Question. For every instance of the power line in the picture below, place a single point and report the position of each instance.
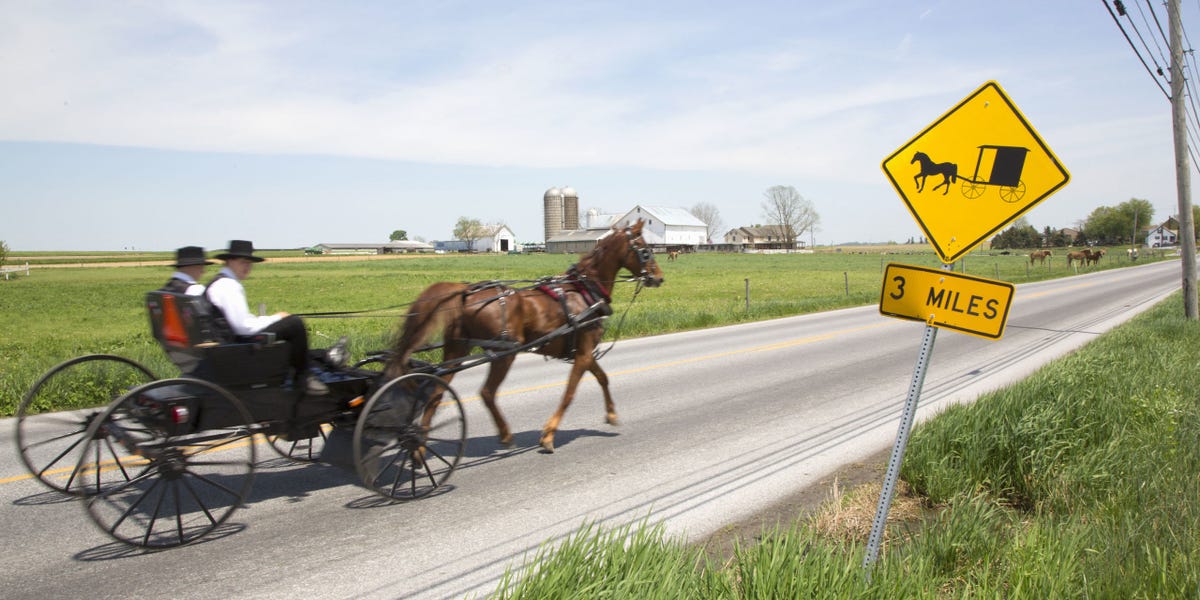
(1151, 30)
(1133, 46)
(1191, 111)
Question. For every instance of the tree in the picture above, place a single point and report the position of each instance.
(3, 252)
(398, 235)
(1018, 235)
(788, 212)
(469, 231)
(711, 217)
(1116, 224)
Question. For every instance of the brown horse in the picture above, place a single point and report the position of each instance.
(1080, 256)
(1093, 257)
(1039, 256)
(569, 308)
(672, 255)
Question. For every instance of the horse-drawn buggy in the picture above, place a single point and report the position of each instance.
(163, 462)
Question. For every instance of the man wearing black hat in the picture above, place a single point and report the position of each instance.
(226, 293)
(189, 267)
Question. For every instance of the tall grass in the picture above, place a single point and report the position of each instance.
(1082, 481)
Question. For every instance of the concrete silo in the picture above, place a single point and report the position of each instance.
(570, 208)
(553, 212)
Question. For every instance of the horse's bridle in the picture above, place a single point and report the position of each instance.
(643, 253)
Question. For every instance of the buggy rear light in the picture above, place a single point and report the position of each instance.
(357, 402)
(179, 414)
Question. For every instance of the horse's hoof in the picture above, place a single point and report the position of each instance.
(507, 442)
(548, 446)
(612, 420)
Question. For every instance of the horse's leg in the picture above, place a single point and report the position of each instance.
(577, 369)
(610, 409)
(497, 371)
(945, 183)
(920, 181)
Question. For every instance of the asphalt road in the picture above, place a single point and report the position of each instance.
(715, 425)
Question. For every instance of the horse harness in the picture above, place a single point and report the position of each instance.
(594, 295)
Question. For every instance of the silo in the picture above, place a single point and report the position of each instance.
(553, 209)
(570, 208)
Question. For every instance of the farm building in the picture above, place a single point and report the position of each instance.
(760, 238)
(664, 228)
(494, 238)
(1161, 236)
(399, 247)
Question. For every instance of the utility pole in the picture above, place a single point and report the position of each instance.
(1183, 182)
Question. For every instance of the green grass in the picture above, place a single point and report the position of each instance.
(59, 313)
(1082, 481)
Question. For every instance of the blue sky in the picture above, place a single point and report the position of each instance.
(153, 125)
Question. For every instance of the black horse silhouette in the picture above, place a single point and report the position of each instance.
(948, 171)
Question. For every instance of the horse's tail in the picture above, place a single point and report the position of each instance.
(440, 305)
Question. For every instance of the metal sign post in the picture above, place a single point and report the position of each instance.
(906, 422)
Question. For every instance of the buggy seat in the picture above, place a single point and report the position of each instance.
(185, 328)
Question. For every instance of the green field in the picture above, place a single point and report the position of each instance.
(58, 313)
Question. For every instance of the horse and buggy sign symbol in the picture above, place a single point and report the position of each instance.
(987, 136)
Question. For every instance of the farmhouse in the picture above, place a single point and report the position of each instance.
(759, 238)
(1161, 236)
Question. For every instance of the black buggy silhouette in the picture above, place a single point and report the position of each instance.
(1006, 167)
(1007, 164)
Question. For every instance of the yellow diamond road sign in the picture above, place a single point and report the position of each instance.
(973, 171)
(964, 303)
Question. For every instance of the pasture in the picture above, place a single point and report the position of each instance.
(59, 313)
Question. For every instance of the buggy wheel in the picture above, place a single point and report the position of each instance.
(1012, 194)
(54, 416)
(193, 444)
(410, 437)
(304, 450)
(972, 189)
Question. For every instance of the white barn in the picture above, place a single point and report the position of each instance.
(667, 227)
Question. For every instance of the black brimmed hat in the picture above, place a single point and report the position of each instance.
(190, 256)
(240, 249)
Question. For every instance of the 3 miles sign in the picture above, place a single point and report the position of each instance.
(946, 299)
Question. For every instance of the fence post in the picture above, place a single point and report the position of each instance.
(747, 294)
(846, 277)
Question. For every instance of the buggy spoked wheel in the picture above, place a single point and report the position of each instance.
(303, 450)
(1012, 194)
(54, 415)
(972, 189)
(192, 445)
(410, 437)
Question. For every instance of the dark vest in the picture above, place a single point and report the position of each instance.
(176, 285)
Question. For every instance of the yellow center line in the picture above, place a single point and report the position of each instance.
(127, 461)
(674, 363)
(1058, 290)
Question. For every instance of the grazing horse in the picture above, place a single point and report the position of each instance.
(569, 309)
(1039, 256)
(672, 255)
(1093, 257)
(948, 171)
(1081, 256)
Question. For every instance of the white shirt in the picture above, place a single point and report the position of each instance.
(194, 287)
(227, 294)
